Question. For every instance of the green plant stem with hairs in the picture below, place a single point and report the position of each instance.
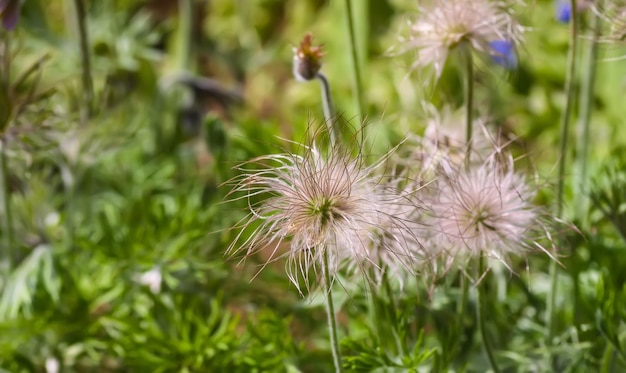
(481, 304)
(563, 149)
(469, 104)
(330, 313)
(329, 110)
(87, 82)
(393, 318)
(357, 85)
(469, 120)
(587, 86)
(384, 317)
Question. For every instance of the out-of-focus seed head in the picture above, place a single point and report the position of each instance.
(307, 59)
(444, 25)
(486, 209)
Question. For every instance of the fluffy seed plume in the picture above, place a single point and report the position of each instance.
(486, 209)
(444, 25)
(321, 203)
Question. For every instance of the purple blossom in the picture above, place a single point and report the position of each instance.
(9, 13)
(503, 53)
(563, 11)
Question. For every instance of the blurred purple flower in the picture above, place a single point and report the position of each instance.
(563, 11)
(9, 13)
(503, 53)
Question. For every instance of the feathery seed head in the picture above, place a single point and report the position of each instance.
(446, 24)
(486, 209)
(321, 202)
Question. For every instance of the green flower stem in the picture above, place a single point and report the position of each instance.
(481, 304)
(185, 35)
(330, 313)
(393, 318)
(608, 359)
(462, 305)
(469, 104)
(588, 70)
(357, 86)
(83, 39)
(374, 308)
(6, 204)
(563, 149)
(329, 111)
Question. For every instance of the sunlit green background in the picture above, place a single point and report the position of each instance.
(138, 186)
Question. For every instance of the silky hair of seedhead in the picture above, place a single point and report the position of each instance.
(487, 210)
(443, 25)
(323, 202)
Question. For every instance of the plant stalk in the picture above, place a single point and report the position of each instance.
(563, 148)
(480, 317)
(587, 86)
(393, 318)
(469, 105)
(185, 34)
(330, 313)
(357, 86)
(87, 83)
(329, 110)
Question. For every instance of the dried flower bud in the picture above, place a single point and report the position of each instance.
(307, 59)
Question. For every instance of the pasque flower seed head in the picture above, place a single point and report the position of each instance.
(444, 25)
(323, 203)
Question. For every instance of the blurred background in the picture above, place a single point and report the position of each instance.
(115, 151)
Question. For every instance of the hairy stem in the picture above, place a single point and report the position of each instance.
(480, 317)
(462, 305)
(330, 313)
(588, 70)
(354, 60)
(393, 318)
(469, 105)
(563, 149)
(83, 39)
(329, 110)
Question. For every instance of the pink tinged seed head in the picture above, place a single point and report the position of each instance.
(484, 210)
(444, 25)
(317, 202)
